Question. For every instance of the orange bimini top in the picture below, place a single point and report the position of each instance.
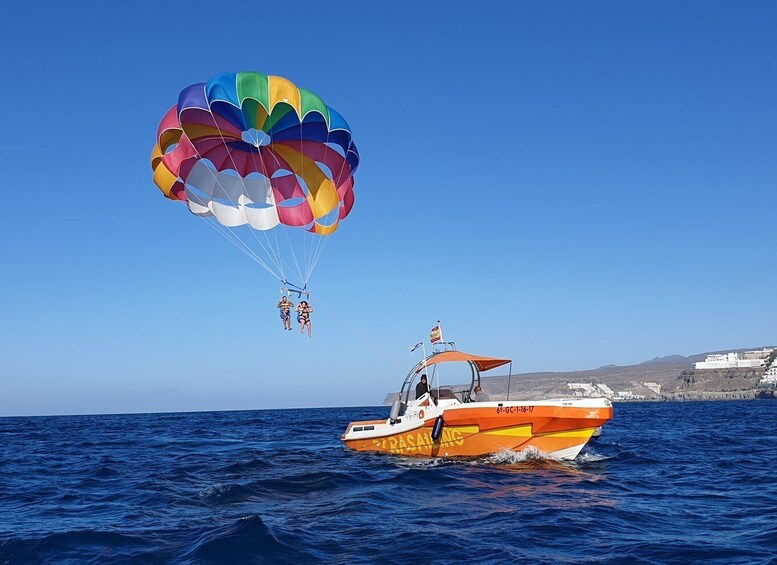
(482, 363)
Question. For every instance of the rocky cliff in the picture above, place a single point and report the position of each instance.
(716, 384)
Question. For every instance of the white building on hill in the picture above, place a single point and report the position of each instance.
(758, 353)
(770, 376)
(591, 390)
(731, 361)
(628, 395)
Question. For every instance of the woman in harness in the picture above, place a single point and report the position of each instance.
(285, 306)
(303, 317)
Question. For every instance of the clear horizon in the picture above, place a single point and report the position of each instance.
(566, 185)
(164, 401)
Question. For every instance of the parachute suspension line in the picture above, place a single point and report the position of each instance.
(286, 230)
(272, 256)
(312, 243)
(365, 336)
(242, 247)
(229, 234)
(305, 235)
(306, 252)
(277, 254)
(289, 229)
(284, 227)
(317, 241)
(303, 280)
(320, 245)
(240, 244)
(236, 236)
(309, 254)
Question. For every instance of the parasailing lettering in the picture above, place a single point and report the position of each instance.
(418, 441)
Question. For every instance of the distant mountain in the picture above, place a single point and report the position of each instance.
(664, 359)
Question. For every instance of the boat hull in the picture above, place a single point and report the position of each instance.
(559, 429)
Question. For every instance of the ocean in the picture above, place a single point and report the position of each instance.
(665, 483)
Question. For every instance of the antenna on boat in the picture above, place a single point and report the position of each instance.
(426, 370)
(509, 378)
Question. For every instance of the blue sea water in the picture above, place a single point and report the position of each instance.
(666, 483)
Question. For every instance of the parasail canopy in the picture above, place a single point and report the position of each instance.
(248, 151)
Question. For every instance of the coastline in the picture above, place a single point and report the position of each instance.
(660, 380)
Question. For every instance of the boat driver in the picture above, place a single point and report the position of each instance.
(478, 395)
(422, 387)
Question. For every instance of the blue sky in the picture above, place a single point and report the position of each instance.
(567, 184)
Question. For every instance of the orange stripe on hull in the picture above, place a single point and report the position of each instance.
(542, 418)
(466, 441)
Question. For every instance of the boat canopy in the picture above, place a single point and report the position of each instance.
(482, 363)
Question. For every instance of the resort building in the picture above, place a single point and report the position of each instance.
(758, 353)
(731, 361)
(590, 390)
(628, 395)
(600, 390)
(770, 376)
(653, 387)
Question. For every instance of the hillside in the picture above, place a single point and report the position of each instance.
(674, 373)
(714, 384)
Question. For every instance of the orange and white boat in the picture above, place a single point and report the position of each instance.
(445, 423)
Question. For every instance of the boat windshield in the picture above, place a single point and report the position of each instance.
(443, 371)
(453, 381)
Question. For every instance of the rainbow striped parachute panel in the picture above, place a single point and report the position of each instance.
(252, 149)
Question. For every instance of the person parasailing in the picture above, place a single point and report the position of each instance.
(285, 306)
(303, 317)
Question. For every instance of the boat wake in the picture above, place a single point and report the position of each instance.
(421, 462)
(590, 456)
(509, 457)
(504, 457)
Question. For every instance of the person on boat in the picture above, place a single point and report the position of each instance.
(478, 395)
(422, 387)
(285, 306)
(303, 317)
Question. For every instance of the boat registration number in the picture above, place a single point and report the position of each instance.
(514, 409)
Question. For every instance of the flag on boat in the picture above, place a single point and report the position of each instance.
(435, 336)
(416, 346)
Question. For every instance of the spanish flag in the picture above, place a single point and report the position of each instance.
(435, 336)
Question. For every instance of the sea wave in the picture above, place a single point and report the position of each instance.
(258, 487)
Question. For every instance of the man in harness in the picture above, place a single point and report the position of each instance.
(285, 306)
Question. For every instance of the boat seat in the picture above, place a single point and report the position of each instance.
(443, 393)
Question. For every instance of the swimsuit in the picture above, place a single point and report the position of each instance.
(284, 307)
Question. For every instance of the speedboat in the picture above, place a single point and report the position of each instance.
(447, 423)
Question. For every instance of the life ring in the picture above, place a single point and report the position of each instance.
(421, 414)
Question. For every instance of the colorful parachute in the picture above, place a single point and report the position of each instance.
(247, 151)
